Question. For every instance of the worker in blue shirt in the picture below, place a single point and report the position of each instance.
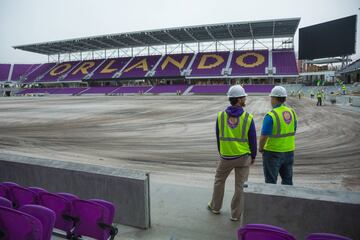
(277, 140)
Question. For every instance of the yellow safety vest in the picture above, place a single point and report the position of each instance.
(282, 138)
(234, 141)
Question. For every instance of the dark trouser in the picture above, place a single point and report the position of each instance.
(278, 162)
(319, 102)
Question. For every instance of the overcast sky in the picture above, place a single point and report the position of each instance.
(34, 21)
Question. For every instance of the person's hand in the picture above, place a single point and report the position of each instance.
(252, 161)
(261, 150)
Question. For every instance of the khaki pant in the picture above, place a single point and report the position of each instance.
(241, 166)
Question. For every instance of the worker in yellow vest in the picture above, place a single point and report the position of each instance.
(343, 88)
(236, 141)
(277, 140)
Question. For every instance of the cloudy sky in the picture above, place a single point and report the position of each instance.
(34, 21)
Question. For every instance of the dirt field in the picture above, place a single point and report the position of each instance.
(173, 137)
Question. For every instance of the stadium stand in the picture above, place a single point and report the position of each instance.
(99, 90)
(4, 71)
(180, 66)
(109, 68)
(38, 72)
(209, 64)
(249, 63)
(131, 90)
(21, 70)
(167, 89)
(139, 66)
(285, 62)
(210, 89)
(172, 65)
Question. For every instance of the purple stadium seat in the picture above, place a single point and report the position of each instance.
(326, 236)
(62, 208)
(46, 217)
(59, 70)
(168, 89)
(4, 202)
(88, 67)
(263, 232)
(4, 191)
(21, 196)
(68, 196)
(37, 190)
(209, 64)
(136, 68)
(169, 65)
(249, 63)
(99, 90)
(6, 186)
(20, 70)
(4, 71)
(16, 225)
(39, 71)
(204, 89)
(94, 219)
(109, 68)
(285, 62)
(125, 90)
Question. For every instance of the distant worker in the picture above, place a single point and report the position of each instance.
(319, 98)
(277, 140)
(236, 142)
(343, 88)
(299, 94)
(323, 97)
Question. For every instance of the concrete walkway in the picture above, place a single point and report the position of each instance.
(179, 212)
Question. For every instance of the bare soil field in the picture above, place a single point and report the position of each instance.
(173, 137)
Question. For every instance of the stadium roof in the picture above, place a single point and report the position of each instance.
(204, 33)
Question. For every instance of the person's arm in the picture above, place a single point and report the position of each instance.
(266, 131)
(262, 142)
(217, 136)
(252, 141)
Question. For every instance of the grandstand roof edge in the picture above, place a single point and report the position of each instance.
(190, 34)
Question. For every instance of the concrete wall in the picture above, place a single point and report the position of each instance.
(128, 190)
(303, 210)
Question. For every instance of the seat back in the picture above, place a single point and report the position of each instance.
(45, 215)
(62, 208)
(68, 196)
(22, 196)
(17, 225)
(90, 215)
(4, 202)
(263, 232)
(6, 186)
(37, 190)
(326, 236)
(3, 191)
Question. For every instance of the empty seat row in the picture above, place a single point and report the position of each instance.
(269, 232)
(76, 217)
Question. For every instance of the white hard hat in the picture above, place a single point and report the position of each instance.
(278, 91)
(236, 91)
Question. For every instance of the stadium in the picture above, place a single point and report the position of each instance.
(114, 136)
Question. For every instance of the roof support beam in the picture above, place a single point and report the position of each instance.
(172, 37)
(231, 34)
(154, 38)
(117, 41)
(190, 35)
(136, 40)
(210, 34)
